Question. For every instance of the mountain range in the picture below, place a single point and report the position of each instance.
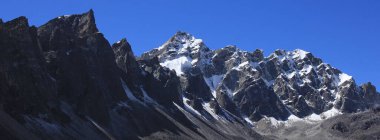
(64, 80)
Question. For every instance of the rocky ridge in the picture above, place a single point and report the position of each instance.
(248, 84)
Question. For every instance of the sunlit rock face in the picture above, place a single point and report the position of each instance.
(248, 84)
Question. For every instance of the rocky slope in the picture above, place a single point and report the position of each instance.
(360, 126)
(64, 80)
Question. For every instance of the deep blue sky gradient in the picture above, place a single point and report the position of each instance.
(344, 33)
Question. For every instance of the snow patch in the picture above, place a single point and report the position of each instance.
(343, 78)
(104, 131)
(291, 75)
(193, 62)
(306, 69)
(128, 92)
(146, 97)
(248, 121)
(161, 47)
(64, 16)
(314, 117)
(298, 53)
(189, 108)
(331, 113)
(246, 64)
(243, 64)
(178, 64)
(213, 82)
(207, 107)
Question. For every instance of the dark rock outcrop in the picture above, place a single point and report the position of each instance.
(26, 86)
(161, 83)
(83, 65)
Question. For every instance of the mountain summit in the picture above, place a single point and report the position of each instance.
(247, 84)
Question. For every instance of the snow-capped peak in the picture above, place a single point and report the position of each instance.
(64, 16)
(298, 53)
(343, 78)
(183, 37)
(183, 42)
(181, 52)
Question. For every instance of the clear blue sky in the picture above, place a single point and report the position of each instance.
(344, 33)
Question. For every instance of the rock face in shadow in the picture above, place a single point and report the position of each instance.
(26, 86)
(63, 80)
(82, 62)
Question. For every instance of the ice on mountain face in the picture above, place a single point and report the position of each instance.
(243, 64)
(207, 107)
(194, 45)
(337, 96)
(189, 108)
(178, 64)
(246, 64)
(248, 121)
(330, 113)
(306, 69)
(291, 75)
(343, 78)
(146, 97)
(64, 16)
(298, 53)
(224, 116)
(313, 117)
(194, 61)
(161, 47)
(213, 83)
(128, 92)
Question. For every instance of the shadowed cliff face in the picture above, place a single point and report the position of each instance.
(26, 86)
(64, 61)
(63, 80)
(82, 62)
